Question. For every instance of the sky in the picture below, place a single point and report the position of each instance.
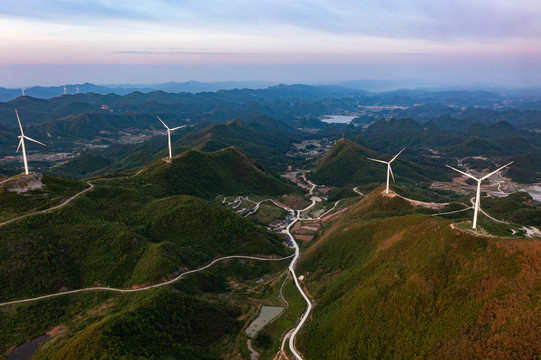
(458, 42)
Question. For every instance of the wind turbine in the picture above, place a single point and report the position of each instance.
(21, 143)
(22, 90)
(169, 135)
(64, 89)
(478, 196)
(389, 170)
(77, 89)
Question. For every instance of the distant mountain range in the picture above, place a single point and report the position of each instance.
(49, 92)
(398, 88)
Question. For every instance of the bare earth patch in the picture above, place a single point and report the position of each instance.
(60, 329)
(390, 241)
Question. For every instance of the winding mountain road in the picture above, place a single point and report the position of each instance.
(56, 207)
(294, 332)
(106, 288)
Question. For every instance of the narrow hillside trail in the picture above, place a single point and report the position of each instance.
(59, 206)
(106, 288)
(53, 208)
(432, 205)
(487, 215)
(254, 355)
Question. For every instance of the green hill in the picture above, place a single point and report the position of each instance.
(526, 169)
(131, 230)
(82, 165)
(21, 194)
(265, 139)
(160, 324)
(392, 125)
(413, 287)
(228, 171)
(120, 237)
(347, 164)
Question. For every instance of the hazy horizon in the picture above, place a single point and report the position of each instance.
(492, 43)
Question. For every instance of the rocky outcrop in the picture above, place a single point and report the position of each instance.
(22, 183)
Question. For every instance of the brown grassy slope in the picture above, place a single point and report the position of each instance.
(412, 287)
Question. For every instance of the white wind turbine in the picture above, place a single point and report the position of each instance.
(169, 135)
(478, 195)
(21, 143)
(389, 170)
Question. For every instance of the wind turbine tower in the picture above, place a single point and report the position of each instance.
(22, 90)
(77, 89)
(169, 135)
(21, 143)
(478, 195)
(389, 170)
(64, 89)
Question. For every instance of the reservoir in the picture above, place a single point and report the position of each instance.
(343, 119)
(534, 191)
(266, 315)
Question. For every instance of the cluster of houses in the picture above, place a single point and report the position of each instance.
(280, 226)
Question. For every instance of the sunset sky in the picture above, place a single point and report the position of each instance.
(490, 42)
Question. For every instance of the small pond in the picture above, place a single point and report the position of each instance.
(535, 191)
(27, 350)
(266, 315)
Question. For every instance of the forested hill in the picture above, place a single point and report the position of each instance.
(347, 164)
(228, 171)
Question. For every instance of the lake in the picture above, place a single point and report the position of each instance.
(343, 119)
(267, 314)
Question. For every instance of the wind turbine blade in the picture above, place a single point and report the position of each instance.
(162, 122)
(462, 172)
(19, 120)
(26, 137)
(381, 161)
(391, 170)
(397, 155)
(20, 142)
(178, 127)
(495, 171)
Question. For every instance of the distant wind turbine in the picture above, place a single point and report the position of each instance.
(169, 135)
(64, 89)
(478, 196)
(22, 90)
(389, 170)
(21, 143)
(77, 89)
